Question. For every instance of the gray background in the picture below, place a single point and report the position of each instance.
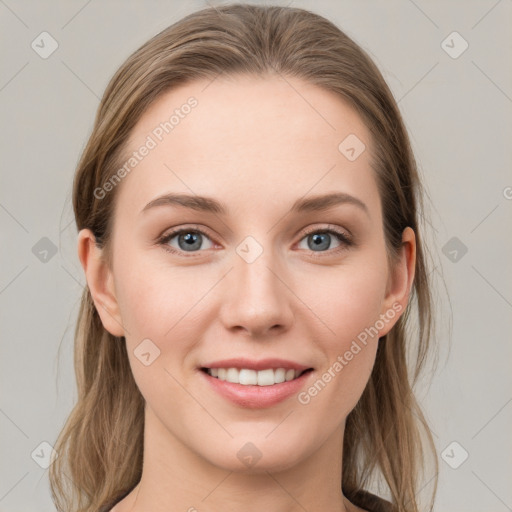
(458, 112)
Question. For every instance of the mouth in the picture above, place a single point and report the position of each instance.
(250, 377)
(255, 384)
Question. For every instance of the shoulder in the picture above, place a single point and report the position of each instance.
(107, 508)
(371, 503)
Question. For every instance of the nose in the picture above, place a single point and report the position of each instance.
(256, 298)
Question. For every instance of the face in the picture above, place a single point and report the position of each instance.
(272, 279)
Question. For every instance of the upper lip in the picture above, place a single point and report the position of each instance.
(262, 364)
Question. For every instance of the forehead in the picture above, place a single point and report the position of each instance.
(246, 140)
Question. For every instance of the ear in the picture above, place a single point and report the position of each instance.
(100, 281)
(400, 282)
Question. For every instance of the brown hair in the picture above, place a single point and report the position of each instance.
(101, 445)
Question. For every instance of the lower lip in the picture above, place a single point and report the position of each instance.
(256, 397)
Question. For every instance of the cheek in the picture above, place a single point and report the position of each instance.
(348, 300)
(349, 304)
(164, 305)
(155, 297)
(160, 334)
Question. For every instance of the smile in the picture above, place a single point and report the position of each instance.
(248, 377)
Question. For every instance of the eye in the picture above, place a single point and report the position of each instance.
(190, 240)
(319, 240)
(187, 240)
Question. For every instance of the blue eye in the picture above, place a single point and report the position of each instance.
(321, 239)
(190, 240)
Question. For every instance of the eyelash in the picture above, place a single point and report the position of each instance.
(345, 240)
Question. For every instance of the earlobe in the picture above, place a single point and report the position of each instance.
(400, 282)
(100, 282)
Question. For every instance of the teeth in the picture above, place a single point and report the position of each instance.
(232, 375)
(252, 377)
(279, 375)
(246, 377)
(290, 374)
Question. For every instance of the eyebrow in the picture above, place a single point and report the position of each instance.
(210, 205)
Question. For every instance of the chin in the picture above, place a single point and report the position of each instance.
(259, 454)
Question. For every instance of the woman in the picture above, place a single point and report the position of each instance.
(247, 207)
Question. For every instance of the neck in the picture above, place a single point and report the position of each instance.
(176, 479)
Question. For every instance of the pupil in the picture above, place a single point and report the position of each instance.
(318, 241)
(191, 239)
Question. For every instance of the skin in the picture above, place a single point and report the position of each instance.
(249, 142)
